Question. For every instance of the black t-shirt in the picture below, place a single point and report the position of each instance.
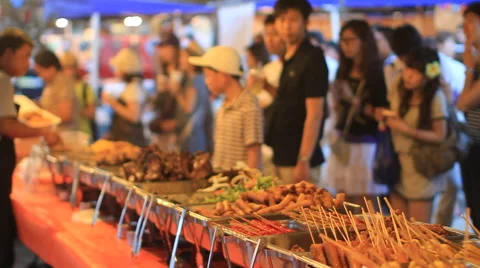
(305, 75)
(375, 94)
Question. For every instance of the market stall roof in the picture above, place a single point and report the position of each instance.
(84, 8)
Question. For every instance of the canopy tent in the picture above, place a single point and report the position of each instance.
(84, 8)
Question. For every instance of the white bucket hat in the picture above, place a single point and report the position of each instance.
(127, 62)
(220, 58)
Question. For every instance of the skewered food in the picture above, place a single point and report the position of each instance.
(283, 198)
(258, 227)
(152, 164)
(386, 241)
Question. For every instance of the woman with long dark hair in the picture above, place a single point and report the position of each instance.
(126, 122)
(419, 110)
(357, 93)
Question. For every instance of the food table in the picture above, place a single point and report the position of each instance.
(252, 224)
(44, 225)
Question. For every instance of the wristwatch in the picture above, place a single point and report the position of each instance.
(303, 158)
(470, 70)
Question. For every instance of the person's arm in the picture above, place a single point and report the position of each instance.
(187, 100)
(316, 86)
(133, 98)
(436, 135)
(131, 111)
(470, 96)
(311, 127)
(253, 133)
(12, 128)
(438, 132)
(254, 156)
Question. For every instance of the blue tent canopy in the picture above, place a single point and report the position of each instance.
(83, 8)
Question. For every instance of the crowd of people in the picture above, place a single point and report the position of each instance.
(380, 84)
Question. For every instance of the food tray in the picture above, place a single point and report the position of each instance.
(278, 249)
(188, 199)
(27, 105)
(239, 248)
(86, 175)
(116, 170)
(172, 187)
(455, 234)
(119, 188)
(199, 229)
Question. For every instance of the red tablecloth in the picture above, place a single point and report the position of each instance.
(44, 226)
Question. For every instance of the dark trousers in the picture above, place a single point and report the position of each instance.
(7, 220)
(471, 183)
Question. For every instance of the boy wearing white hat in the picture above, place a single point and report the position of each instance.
(239, 122)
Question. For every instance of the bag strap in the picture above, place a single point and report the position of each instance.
(188, 129)
(351, 111)
(84, 94)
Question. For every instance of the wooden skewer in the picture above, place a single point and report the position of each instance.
(345, 238)
(332, 227)
(316, 225)
(342, 223)
(354, 224)
(471, 225)
(369, 228)
(468, 210)
(321, 217)
(352, 205)
(407, 226)
(308, 225)
(396, 232)
(353, 254)
(467, 233)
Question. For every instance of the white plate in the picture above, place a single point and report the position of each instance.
(27, 105)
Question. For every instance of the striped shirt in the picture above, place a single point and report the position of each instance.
(237, 126)
(473, 116)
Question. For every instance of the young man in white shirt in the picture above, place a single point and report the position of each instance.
(238, 135)
(15, 50)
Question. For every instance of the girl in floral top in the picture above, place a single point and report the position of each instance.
(419, 113)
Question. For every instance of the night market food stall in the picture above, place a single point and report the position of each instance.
(147, 201)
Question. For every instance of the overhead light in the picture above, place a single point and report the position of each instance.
(132, 21)
(61, 22)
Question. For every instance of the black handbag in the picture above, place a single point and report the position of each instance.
(386, 167)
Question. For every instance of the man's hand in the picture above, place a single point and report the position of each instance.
(53, 138)
(302, 171)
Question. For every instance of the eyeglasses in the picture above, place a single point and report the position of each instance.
(348, 40)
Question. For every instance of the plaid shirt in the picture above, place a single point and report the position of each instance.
(237, 127)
